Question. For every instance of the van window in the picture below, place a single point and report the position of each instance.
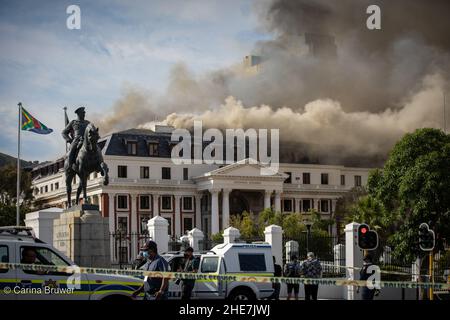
(252, 262)
(4, 257)
(210, 264)
(41, 255)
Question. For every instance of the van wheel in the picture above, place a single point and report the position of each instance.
(241, 294)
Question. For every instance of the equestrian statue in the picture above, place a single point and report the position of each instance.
(83, 157)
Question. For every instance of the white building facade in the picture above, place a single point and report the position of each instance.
(144, 182)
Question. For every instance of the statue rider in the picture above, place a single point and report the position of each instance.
(73, 133)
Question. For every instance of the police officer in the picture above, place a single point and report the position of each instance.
(154, 288)
(190, 265)
(73, 133)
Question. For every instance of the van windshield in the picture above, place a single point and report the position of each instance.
(209, 264)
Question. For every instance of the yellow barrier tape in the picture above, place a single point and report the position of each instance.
(224, 277)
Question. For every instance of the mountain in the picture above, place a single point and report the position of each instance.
(7, 159)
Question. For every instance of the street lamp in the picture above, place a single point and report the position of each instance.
(308, 224)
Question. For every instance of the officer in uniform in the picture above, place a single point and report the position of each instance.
(73, 133)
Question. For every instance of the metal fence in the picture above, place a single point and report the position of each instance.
(123, 245)
(327, 249)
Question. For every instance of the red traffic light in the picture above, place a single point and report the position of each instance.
(363, 230)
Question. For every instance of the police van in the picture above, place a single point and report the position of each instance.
(18, 245)
(243, 259)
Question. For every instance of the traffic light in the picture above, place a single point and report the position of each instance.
(367, 239)
(426, 237)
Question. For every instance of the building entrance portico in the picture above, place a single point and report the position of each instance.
(232, 182)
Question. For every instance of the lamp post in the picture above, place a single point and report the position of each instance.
(308, 234)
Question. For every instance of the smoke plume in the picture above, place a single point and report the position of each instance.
(324, 80)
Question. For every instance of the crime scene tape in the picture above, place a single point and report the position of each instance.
(225, 277)
(330, 265)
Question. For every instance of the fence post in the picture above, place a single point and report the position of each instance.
(274, 235)
(158, 230)
(291, 249)
(339, 257)
(230, 235)
(195, 236)
(353, 259)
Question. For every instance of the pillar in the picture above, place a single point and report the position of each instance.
(155, 204)
(274, 235)
(277, 201)
(112, 223)
(214, 211)
(230, 235)
(177, 222)
(291, 249)
(267, 194)
(133, 226)
(158, 230)
(225, 208)
(198, 211)
(195, 238)
(353, 260)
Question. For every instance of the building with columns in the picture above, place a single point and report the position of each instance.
(144, 182)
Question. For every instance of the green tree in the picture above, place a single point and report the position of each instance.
(413, 187)
(8, 196)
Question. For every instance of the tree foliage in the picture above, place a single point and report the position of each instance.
(8, 196)
(413, 187)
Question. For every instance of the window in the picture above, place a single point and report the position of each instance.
(122, 224)
(209, 264)
(306, 205)
(56, 185)
(42, 256)
(185, 174)
(289, 178)
(252, 262)
(122, 202)
(132, 148)
(358, 181)
(51, 187)
(287, 205)
(188, 204)
(144, 202)
(324, 178)
(153, 149)
(169, 228)
(145, 172)
(324, 206)
(166, 203)
(4, 257)
(166, 173)
(187, 224)
(144, 220)
(306, 178)
(46, 188)
(122, 171)
(342, 179)
(42, 190)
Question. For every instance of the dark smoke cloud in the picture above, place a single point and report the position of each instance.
(376, 85)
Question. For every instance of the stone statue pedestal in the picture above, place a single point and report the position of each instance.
(82, 234)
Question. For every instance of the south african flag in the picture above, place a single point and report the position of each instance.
(30, 123)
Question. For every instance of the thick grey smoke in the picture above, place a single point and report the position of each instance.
(361, 93)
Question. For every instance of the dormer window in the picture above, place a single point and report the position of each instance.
(153, 149)
(132, 148)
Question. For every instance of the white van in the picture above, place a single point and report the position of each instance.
(21, 284)
(230, 259)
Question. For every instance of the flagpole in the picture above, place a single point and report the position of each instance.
(65, 124)
(18, 167)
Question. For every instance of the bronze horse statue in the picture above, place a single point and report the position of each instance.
(89, 159)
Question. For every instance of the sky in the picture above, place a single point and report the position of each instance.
(121, 44)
